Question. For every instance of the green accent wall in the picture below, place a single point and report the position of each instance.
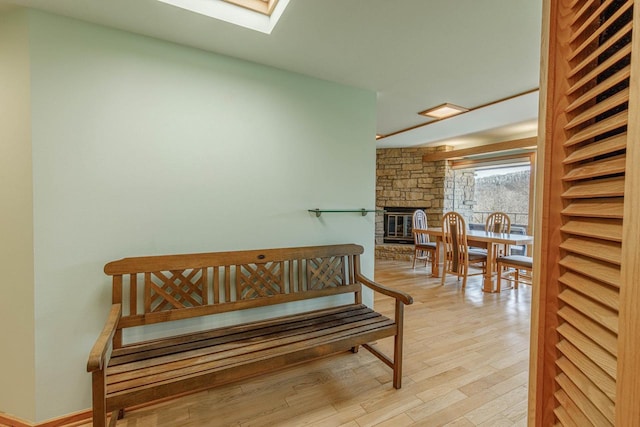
(142, 147)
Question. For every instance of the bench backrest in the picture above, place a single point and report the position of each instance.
(172, 287)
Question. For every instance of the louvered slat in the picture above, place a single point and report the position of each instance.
(564, 418)
(600, 378)
(609, 166)
(587, 80)
(610, 124)
(593, 55)
(601, 30)
(582, 402)
(571, 413)
(602, 403)
(599, 270)
(602, 336)
(598, 208)
(585, 7)
(606, 229)
(594, 352)
(595, 248)
(596, 312)
(599, 108)
(605, 295)
(597, 90)
(587, 24)
(596, 188)
(599, 148)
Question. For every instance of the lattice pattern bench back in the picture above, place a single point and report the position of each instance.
(172, 287)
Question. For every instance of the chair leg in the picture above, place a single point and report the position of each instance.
(465, 273)
(516, 276)
(499, 279)
(415, 255)
(432, 258)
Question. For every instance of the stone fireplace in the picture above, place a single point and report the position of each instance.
(405, 183)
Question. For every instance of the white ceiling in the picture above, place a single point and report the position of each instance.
(415, 54)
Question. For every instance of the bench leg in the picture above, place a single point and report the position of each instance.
(355, 349)
(397, 351)
(99, 399)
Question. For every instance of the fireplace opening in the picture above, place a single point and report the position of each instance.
(398, 225)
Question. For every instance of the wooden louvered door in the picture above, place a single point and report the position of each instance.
(585, 365)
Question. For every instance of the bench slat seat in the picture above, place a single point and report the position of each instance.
(168, 288)
(180, 343)
(336, 333)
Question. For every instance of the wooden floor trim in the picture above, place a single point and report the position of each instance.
(74, 419)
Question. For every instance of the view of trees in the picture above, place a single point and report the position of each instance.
(506, 192)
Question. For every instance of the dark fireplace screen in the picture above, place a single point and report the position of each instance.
(398, 225)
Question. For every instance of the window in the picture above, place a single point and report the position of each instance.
(479, 188)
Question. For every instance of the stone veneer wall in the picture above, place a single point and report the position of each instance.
(459, 192)
(404, 180)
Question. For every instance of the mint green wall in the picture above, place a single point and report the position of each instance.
(144, 147)
(17, 373)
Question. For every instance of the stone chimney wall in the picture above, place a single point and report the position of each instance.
(404, 180)
(459, 192)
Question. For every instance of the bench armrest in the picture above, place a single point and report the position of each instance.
(398, 295)
(100, 353)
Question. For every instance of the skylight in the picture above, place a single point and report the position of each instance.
(261, 6)
(258, 15)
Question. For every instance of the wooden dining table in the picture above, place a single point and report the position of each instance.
(482, 239)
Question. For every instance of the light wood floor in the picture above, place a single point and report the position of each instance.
(466, 363)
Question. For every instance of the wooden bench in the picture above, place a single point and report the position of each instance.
(159, 289)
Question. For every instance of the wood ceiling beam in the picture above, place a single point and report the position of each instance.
(483, 149)
(469, 163)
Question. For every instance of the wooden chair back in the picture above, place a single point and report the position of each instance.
(423, 249)
(420, 223)
(456, 249)
(498, 222)
(454, 230)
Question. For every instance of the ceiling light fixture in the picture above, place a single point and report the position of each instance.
(443, 111)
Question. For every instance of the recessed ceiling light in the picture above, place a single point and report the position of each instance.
(443, 111)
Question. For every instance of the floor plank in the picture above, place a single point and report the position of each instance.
(466, 362)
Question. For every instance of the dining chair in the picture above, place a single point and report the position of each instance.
(423, 249)
(509, 267)
(458, 257)
(499, 222)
